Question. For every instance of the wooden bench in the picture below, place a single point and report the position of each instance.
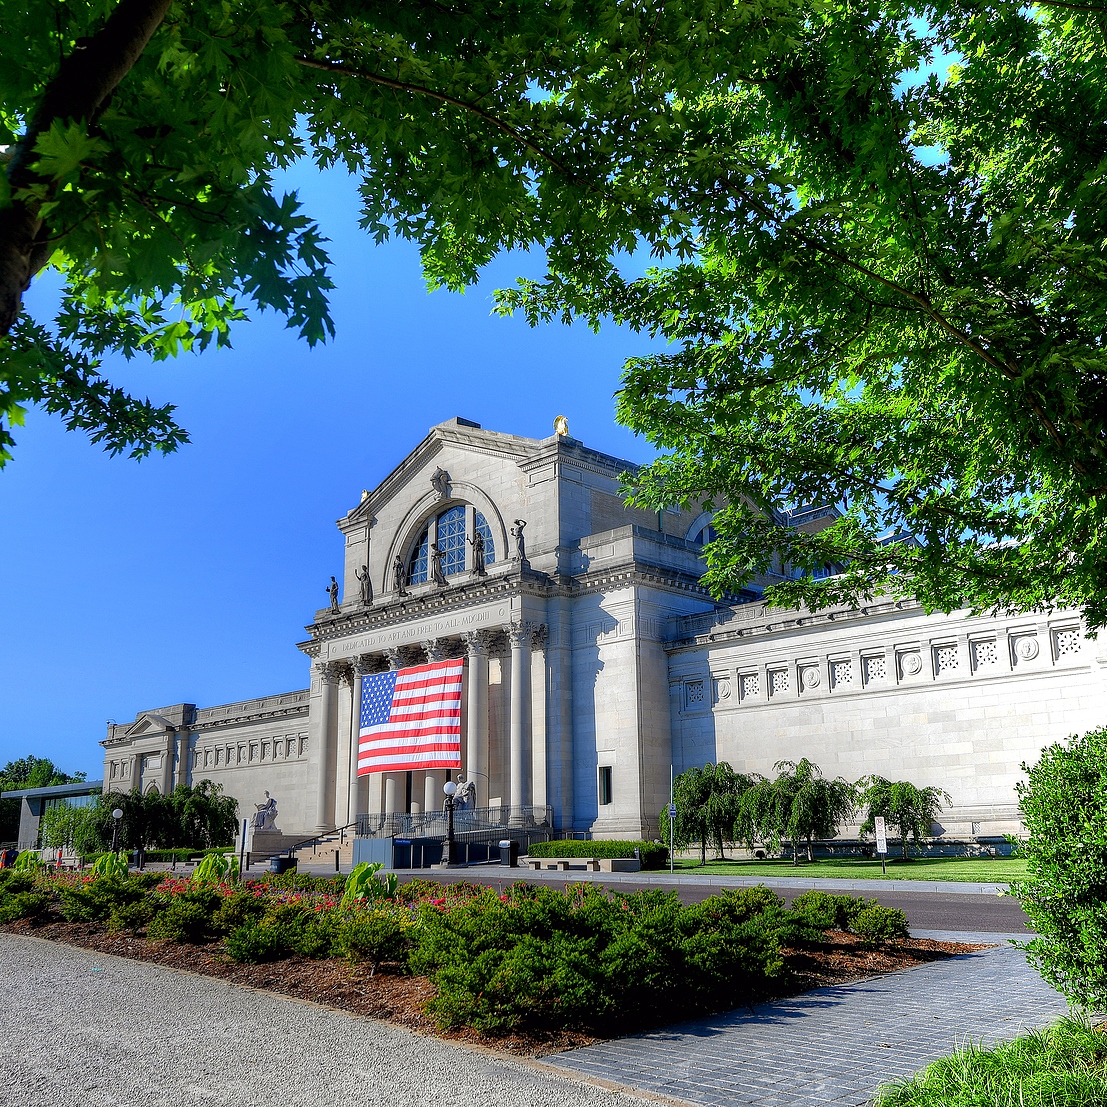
(563, 863)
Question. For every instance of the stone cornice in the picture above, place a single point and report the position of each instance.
(756, 619)
(571, 452)
(471, 594)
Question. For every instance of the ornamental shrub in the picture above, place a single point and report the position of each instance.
(372, 936)
(652, 854)
(132, 916)
(238, 909)
(96, 899)
(253, 944)
(540, 957)
(22, 905)
(878, 925)
(826, 911)
(1064, 806)
(185, 916)
(284, 929)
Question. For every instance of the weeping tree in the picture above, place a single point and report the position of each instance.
(908, 810)
(708, 803)
(799, 804)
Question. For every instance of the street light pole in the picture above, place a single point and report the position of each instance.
(117, 821)
(450, 788)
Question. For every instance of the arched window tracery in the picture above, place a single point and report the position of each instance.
(450, 532)
(480, 525)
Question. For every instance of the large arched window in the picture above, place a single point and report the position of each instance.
(450, 532)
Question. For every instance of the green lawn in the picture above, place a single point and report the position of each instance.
(983, 870)
(1064, 1066)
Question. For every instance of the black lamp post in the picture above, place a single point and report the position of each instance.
(449, 855)
(117, 822)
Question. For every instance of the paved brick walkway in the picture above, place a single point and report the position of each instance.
(834, 1045)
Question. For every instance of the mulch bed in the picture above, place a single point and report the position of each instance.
(398, 998)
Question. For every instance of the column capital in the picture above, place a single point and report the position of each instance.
(360, 665)
(522, 633)
(538, 635)
(477, 642)
(330, 672)
(395, 658)
(432, 647)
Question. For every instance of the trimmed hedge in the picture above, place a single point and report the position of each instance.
(653, 854)
(166, 854)
(542, 958)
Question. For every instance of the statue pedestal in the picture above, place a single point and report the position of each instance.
(261, 844)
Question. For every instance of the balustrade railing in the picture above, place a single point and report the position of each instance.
(468, 822)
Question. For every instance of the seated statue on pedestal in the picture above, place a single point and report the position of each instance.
(266, 815)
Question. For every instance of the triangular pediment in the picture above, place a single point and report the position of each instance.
(457, 432)
(148, 724)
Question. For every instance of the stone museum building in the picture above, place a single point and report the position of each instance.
(596, 663)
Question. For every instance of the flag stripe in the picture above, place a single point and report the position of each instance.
(411, 719)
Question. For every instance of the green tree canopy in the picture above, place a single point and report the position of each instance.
(906, 809)
(880, 274)
(1064, 803)
(708, 803)
(888, 297)
(798, 804)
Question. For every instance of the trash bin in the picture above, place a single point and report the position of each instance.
(280, 865)
(509, 853)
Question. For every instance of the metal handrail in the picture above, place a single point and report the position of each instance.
(316, 838)
(467, 822)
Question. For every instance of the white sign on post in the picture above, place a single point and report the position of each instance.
(881, 835)
(672, 810)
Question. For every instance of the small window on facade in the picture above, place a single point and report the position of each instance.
(605, 785)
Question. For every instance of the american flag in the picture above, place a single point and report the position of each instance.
(411, 719)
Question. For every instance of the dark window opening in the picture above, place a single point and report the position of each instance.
(605, 785)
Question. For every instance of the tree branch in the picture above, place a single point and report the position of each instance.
(445, 98)
(78, 91)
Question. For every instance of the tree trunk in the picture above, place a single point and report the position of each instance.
(795, 852)
(78, 92)
(810, 853)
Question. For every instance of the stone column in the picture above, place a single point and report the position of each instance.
(359, 670)
(329, 676)
(392, 781)
(559, 723)
(167, 763)
(519, 635)
(476, 740)
(422, 782)
(432, 790)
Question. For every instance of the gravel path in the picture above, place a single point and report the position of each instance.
(81, 1029)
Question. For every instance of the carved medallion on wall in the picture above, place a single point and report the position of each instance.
(1026, 647)
(810, 677)
(910, 664)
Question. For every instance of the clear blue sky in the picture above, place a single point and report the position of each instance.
(129, 586)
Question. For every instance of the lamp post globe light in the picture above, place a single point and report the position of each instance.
(450, 788)
(117, 822)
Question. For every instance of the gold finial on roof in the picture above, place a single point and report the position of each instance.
(561, 426)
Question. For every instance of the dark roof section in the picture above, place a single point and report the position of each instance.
(79, 788)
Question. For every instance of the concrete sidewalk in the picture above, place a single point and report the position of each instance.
(834, 1045)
